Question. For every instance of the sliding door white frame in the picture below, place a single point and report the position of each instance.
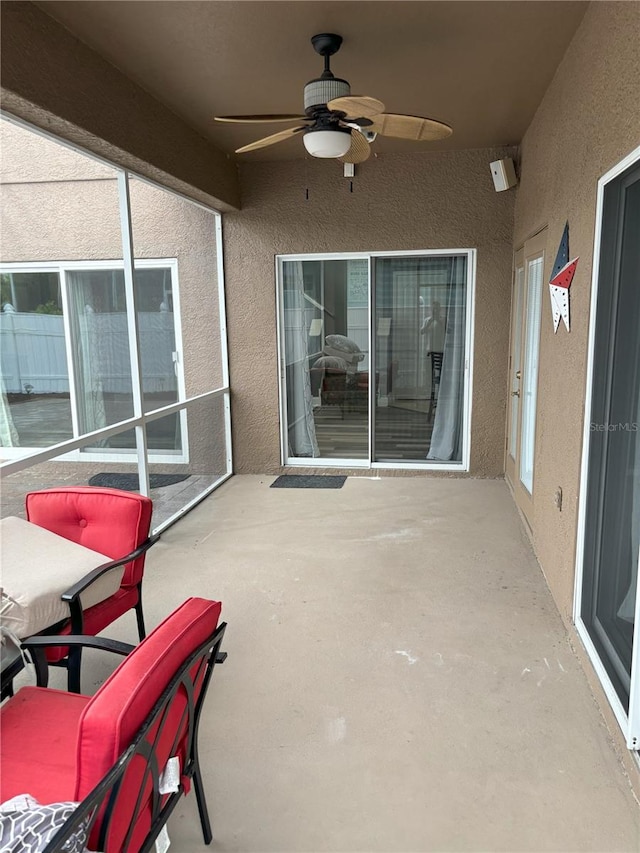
(318, 462)
(629, 723)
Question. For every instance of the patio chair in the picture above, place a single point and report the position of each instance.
(127, 754)
(113, 522)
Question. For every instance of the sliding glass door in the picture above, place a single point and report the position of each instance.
(610, 512)
(375, 359)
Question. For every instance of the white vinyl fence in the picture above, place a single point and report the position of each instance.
(33, 355)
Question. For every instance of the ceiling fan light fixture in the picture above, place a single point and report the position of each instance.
(327, 143)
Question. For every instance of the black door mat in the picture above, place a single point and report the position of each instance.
(299, 481)
(130, 482)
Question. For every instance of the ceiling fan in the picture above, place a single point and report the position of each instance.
(338, 124)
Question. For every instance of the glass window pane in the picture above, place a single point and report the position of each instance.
(100, 343)
(35, 406)
(516, 364)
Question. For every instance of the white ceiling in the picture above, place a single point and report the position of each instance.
(481, 67)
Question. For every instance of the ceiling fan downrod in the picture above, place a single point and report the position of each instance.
(326, 44)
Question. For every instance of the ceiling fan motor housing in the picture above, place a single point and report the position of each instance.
(319, 92)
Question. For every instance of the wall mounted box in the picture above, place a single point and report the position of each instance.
(503, 174)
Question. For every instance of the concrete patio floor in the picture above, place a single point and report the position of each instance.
(398, 677)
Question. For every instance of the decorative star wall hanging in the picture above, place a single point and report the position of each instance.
(560, 282)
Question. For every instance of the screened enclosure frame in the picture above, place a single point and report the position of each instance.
(463, 465)
(69, 450)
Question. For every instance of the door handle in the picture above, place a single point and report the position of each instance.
(515, 393)
(518, 374)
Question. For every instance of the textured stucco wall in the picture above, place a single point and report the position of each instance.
(400, 202)
(53, 80)
(59, 205)
(588, 121)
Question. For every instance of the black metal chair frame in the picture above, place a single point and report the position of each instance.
(436, 373)
(101, 802)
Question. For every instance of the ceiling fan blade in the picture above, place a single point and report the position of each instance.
(260, 119)
(409, 127)
(271, 140)
(357, 105)
(359, 151)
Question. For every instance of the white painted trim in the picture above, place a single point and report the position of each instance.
(317, 462)
(603, 676)
(71, 362)
(372, 338)
(629, 725)
(222, 305)
(469, 362)
(135, 359)
(282, 400)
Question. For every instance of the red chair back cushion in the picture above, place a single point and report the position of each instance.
(113, 717)
(110, 521)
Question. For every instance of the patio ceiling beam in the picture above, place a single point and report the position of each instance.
(58, 83)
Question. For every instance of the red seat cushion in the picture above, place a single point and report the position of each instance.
(110, 521)
(57, 746)
(39, 741)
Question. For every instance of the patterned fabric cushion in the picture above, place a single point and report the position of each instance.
(27, 827)
(342, 347)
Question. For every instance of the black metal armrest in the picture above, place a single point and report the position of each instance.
(37, 645)
(77, 640)
(74, 591)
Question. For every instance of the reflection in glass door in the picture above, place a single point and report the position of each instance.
(326, 358)
(420, 318)
(612, 505)
(412, 311)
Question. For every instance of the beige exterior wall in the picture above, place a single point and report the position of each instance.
(56, 82)
(58, 205)
(403, 202)
(588, 121)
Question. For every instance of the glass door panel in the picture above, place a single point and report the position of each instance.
(612, 537)
(326, 358)
(420, 327)
(535, 268)
(516, 362)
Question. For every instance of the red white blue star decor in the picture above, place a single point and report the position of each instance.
(560, 282)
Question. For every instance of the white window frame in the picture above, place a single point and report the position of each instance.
(629, 723)
(319, 462)
(60, 268)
